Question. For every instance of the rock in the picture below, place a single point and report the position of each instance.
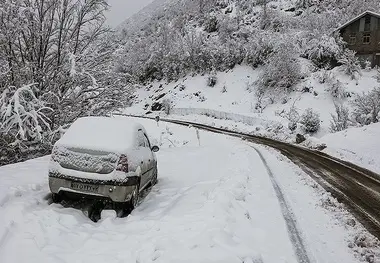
(298, 13)
(351, 222)
(321, 147)
(300, 138)
(292, 9)
(315, 93)
(160, 96)
(228, 10)
(156, 106)
(211, 81)
(292, 126)
(306, 89)
(370, 258)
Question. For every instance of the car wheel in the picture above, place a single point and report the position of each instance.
(56, 198)
(135, 198)
(154, 179)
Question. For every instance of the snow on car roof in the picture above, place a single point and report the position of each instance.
(101, 134)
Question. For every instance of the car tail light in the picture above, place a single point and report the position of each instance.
(122, 164)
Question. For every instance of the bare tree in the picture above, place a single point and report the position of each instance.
(38, 36)
(264, 16)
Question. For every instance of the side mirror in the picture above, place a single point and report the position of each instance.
(155, 149)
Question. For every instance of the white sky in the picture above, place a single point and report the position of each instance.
(122, 9)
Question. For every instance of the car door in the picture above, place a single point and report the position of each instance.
(151, 159)
(142, 155)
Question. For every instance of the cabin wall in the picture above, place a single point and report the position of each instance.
(356, 35)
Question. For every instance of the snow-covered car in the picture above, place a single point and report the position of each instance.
(103, 158)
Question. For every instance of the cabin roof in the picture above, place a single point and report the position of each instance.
(357, 18)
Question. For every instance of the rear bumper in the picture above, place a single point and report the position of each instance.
(112, 190)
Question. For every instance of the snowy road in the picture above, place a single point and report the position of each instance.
(214, 202)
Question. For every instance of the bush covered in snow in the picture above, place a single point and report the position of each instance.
(23, 116)
(167, 106)
(211, 24)
(351, 65)
(340, 120)
(337, 90)
(322, 50)
(293, 117)
(280, 73)
(366, 107)
(211, 80)
(310, 120)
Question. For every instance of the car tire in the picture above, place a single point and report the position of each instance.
(56, 198)
(134, 198)
(154, 179)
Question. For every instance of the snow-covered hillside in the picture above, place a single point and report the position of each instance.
(233, 97)
(214, 202)
(234, 93)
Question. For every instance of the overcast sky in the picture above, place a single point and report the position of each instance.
(122, 9)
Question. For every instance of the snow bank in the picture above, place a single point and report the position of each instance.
(359, 145)
(225, 116)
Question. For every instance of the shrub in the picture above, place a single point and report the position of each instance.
(310, 120)
(23, 115)
(167, 106)
(182, 87)
(337, 90)
(293, 117)
(351, 64)
(280, 73)
(366, 107)
(323, 50)
(367, 65)
(340, 119)
(258, 50)
(211, 24)
(211, 81)
(325, 76)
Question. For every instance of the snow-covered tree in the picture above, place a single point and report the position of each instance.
(340, 120)
(23, 116)
(322, 50)
(310, 120)
(56, 64)
(350, 64)
(280, 73)
(366, 107)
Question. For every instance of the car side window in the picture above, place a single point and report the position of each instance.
(141, 139)
(147, 141)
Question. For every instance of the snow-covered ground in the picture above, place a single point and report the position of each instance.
(358, 145)
(215, 202)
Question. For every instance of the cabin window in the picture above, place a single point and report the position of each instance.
(367, 24)
(366, 38)
(352, 40)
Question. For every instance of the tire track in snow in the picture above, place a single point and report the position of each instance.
(291, 223)
(6, 234)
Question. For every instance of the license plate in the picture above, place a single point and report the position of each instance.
(84, 187)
